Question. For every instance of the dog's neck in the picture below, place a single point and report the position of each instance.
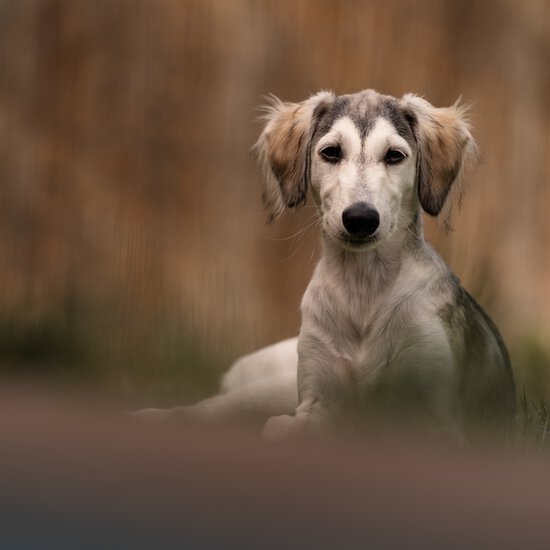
(374, 269)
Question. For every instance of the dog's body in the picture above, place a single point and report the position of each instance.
(384, 321)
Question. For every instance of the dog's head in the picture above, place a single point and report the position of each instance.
(370, 159)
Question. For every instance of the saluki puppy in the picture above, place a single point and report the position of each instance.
(385, 323)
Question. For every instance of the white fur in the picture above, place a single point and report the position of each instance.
(278, 359)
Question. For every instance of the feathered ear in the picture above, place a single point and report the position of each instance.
(445, 146)
(283, 150)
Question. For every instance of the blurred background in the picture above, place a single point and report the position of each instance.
(134, 254)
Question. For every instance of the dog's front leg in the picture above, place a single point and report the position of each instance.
(321, 386)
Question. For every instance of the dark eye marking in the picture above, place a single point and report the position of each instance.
(332, 154)
(394, 156)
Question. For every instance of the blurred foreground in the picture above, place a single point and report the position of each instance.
(86, 477)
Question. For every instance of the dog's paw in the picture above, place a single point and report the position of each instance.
(285, 427)
(279, 428)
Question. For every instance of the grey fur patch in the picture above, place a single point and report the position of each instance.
(364, 109)
(487, 393)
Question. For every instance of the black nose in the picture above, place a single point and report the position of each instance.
(360, 220)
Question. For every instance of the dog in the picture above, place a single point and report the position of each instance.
(385, 323)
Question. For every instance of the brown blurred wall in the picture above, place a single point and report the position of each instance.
(130, 216)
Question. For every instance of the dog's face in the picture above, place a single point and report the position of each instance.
(363, 166)
(369, 158)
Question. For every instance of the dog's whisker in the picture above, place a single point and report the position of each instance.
(307, 221)
(298, 241)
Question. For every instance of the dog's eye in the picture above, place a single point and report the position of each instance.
(393, 156)
(332, 154)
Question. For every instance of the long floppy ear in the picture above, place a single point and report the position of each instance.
(283, 149)
(445, 146)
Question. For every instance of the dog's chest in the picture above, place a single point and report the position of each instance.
(368, 347)
(378, 326)
(365, 318)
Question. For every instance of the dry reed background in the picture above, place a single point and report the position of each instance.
(133, 250)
